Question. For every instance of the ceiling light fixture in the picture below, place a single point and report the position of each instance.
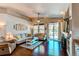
(38, 21)
(38, 18)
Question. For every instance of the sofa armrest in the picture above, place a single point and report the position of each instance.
(7, 47)
(12, 46)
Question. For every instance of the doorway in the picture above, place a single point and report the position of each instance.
(54, 45)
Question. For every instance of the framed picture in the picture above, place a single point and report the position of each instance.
(19, 27)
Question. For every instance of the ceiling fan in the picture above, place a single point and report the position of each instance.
(39, 18)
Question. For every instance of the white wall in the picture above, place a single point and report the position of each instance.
(11, 20)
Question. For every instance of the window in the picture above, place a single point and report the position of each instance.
(40, 29)
(35, 29)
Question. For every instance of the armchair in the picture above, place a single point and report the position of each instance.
(7, 47)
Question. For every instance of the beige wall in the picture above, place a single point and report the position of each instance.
(75, 21)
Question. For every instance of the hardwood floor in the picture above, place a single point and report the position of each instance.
(20, 51)
(49, 48)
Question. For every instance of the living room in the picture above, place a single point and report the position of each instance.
(28, 29)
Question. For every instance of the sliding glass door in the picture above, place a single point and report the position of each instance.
(53, 29)
(54, 46)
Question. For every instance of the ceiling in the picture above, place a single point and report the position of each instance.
(45, 9)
